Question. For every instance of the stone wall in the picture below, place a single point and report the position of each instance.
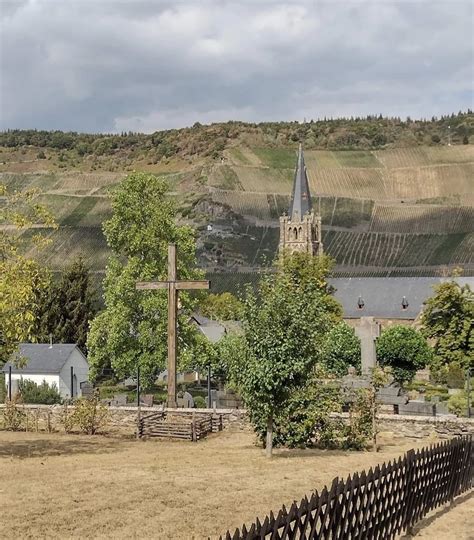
(121, 420)
(420, 427)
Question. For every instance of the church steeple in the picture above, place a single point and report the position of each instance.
(300, 230)
(300, 203)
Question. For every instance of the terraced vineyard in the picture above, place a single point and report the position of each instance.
(401, 211)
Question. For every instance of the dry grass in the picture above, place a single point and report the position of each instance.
(60, 486)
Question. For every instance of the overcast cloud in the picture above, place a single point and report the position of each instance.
(138, 65)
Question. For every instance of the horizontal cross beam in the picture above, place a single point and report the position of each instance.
(179, 285)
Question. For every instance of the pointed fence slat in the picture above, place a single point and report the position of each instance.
(377, 505)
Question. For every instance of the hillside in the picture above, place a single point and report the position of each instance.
(398, 211)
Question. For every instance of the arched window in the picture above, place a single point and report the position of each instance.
(295, 233)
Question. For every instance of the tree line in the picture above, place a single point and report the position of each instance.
(372, 131)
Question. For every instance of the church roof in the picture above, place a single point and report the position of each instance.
(382, 297)
(300, 202)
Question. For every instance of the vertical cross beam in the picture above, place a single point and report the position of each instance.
(173, 285)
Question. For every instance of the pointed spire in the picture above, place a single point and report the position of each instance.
(301, 198)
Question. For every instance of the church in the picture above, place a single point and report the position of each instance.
(300, 230)
(391, 300)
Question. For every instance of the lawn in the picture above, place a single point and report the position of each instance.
(58, 486)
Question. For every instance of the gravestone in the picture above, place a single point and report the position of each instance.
(185, 400)
(87, 389)
(368, 331)
(418, 408)
(147, 400)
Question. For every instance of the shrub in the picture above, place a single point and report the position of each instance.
(405, 350)
(90, 415)
(200, 402)
(457, 403)
(39, 393)
(13, 416)
(342, 349)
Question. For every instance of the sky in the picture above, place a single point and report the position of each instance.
(148, 65)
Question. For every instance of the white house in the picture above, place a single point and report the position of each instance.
(62, 364)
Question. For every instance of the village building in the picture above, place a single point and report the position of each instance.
(300, 230)
(389, 300)
(61, 364)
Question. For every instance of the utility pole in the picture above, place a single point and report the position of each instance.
(449, 135)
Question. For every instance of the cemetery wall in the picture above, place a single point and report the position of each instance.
(121, 420)
(421, 427)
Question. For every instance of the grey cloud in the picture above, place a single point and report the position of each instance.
(147, 65)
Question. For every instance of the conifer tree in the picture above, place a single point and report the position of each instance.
(68, 307)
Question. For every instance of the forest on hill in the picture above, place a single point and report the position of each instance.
(371, 132)
(396, 197)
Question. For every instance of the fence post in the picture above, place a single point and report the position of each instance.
(193, 428)
(409, 492)
(9, 383)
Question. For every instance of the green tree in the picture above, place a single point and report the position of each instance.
(285, 324)
(404, 349)
(447, 321)
(223, 307)
(342, 349)
(132, 330)
(68, 307)
(22, 279)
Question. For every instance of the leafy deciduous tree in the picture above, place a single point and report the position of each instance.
(22, 279)
(132, 330)
(447, 319)
(285, 324)
(405, 350)
(342, 349)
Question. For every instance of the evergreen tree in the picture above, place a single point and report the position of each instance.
(68, 307)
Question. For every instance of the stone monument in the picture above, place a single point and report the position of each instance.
(368, 331)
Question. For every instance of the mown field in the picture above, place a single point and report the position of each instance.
(64, 486)
(400, 211)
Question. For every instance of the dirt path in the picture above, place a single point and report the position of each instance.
(453, 522)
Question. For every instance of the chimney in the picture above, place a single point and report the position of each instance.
(50, 341)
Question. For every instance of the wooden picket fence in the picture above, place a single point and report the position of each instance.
(377, 505)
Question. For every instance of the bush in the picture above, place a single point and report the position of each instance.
(39, 393)
(13, 417)
(457, 403)
(200, 402)
(90, 415)
(342, 349)
(405, 350)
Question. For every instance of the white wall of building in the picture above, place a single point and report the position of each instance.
(81, 371)
(36, 378)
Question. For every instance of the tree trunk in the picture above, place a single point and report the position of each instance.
(269, 443)
(374, 425)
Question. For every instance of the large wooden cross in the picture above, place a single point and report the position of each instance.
(173, 285)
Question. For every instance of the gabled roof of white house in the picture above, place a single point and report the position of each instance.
(213, 330)
(42, 357)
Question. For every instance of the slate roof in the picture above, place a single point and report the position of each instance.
(300, 202)
(383, 296)
(42, 358)
(213, 330)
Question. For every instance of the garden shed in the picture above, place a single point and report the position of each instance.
(62, 364)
